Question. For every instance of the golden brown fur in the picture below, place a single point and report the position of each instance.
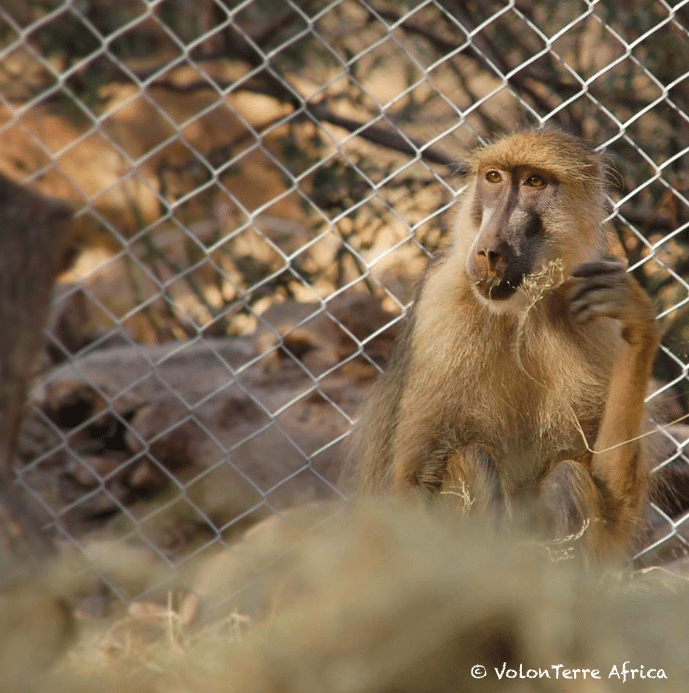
(484, 399)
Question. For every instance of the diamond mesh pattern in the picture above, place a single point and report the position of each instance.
(231, 162)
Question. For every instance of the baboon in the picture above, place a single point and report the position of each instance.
(521, 375)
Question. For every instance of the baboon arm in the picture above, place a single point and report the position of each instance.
(617, 465)
(416, 464)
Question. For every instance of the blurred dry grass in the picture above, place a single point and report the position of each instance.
(380, 599)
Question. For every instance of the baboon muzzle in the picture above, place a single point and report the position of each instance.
(504, 251)
(495, 271)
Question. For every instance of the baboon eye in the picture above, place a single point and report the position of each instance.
(493, 177)
(535, 181)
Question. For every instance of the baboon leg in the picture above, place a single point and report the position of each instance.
(570, 505)
(471, 482)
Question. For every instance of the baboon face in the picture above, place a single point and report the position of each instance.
(508, 208)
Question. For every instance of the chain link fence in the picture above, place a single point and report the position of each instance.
(256, 185)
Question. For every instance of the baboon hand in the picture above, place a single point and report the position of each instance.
(605, 288)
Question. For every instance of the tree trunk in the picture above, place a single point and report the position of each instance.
(32, 253)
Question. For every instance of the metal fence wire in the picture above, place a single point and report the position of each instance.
(256, 185)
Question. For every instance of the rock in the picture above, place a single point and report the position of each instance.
(147, 478)
(208, 427)
(323, 335)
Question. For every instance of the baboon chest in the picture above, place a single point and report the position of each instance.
(527, 413)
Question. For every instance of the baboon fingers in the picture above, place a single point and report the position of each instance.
(605, 289)
(602, 289)
(584, 311)
(591, 269)
(603, 281)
